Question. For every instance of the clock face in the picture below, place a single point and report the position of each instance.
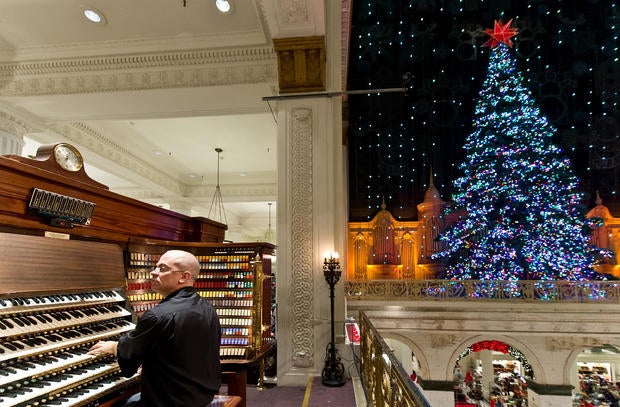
(68, 157)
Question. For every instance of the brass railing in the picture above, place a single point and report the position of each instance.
(523, 290)
(385, 381)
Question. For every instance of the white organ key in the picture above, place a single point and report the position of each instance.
(46, 302)
(90, 392)
(44, 342)
(53, 384)
(29, 324)
(37, 366)
(63, 341)
(13, 327)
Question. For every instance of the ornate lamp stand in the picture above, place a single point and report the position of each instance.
(333, 372)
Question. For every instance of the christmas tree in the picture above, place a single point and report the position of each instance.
(521, 217)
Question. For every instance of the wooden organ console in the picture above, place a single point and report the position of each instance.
(59, 298)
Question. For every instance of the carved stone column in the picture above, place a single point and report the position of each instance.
(312, 192)
(311, 220)
(10, 143)
(12, 132)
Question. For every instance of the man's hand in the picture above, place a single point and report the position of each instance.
(103, 347)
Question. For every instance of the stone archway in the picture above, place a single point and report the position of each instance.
(424, 370)
(499, 346)
(490, 368)
(516, 344)
(590, 357)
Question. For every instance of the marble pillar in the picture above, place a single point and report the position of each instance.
(10, 143)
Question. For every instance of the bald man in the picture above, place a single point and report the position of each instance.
(177, 342)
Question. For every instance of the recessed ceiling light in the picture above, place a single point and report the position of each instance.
(224, 6)
(94, 16)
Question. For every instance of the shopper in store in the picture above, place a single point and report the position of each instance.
(177, 343)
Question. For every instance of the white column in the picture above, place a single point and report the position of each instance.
(488, 375)
(10, 143)
(311, 220)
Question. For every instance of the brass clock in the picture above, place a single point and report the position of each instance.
(68, 157)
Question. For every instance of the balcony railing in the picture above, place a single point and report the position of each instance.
(385, 381)
(491, 290)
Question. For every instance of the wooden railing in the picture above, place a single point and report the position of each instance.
(489, 290)
(385, 381)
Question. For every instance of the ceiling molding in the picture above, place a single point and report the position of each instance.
(249, 192)
(294, 18)
(264, 19)
(133, 61)
(104, 148)
(15, 125)
(140, 72)
(227, 111)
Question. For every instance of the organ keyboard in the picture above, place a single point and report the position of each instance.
(64, 296)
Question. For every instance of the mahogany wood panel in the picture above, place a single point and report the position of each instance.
(116, 217)
(31, 264)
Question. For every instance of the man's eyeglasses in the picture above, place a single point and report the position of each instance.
(162, 268)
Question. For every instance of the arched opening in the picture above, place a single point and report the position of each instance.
(494, 371)
(596, 375)
(411, 359)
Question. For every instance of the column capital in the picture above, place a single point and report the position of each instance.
(301, 64)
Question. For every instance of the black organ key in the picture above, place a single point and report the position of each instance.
(17, 321)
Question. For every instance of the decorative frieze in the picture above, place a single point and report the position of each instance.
(133, 72)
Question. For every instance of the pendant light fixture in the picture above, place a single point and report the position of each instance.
(269, 236)
(217, 204)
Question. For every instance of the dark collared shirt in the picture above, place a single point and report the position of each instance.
(178, 345)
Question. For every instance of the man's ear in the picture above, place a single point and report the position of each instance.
(185, 277)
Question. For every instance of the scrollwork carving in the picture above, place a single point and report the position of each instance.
(571, 342)
(300, 238)
(442, 341)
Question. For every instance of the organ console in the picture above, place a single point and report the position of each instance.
(60, 297)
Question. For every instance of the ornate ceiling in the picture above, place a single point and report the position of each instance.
(148, 95)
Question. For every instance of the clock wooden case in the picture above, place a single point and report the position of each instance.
(60, 158)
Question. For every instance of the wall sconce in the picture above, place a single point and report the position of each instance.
(333, 372)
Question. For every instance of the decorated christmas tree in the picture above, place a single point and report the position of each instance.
(521, 216)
